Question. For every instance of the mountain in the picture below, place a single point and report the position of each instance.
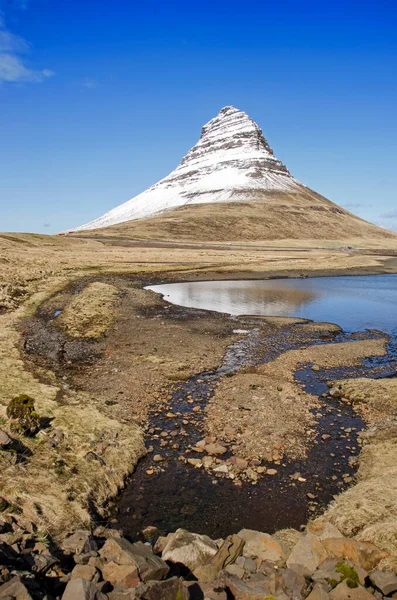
(232, 163)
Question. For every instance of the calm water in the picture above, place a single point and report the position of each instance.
(354, 303)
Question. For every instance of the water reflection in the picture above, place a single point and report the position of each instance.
(238, 297)
(352, 302)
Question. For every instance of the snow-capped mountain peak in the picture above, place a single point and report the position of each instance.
(232, 161)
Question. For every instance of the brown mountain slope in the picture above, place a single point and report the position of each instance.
(305, 215)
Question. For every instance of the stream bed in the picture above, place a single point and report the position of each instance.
(171, 493)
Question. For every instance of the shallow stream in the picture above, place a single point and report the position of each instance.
(171, 493)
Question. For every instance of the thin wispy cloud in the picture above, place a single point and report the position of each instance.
(392, 214)
(89, 83)
(13, 68)
(357, 205)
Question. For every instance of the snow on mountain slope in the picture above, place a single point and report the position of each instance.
(231, 162)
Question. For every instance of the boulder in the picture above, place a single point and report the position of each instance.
(385, 582)
(318, 593)
(121, 575)
(262, 546)
(307, 555)
(207, 573)
(230, 550)
(365, 554)
(245, 590)
(343, 592)
(122, 552)
(5, 439)
(15, 589)
(294, 584)
(209, 591)
(84, 572)
(190, 549)
(323, 529)
(79, 542)
(80, 589)
(170, 589)
(334, 569)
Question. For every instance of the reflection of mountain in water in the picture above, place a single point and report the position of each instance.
(238, 300)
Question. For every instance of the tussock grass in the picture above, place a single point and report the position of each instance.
(90, 313)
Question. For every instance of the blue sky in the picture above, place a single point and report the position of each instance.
(99, 99)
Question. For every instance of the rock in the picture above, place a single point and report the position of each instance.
(80, 589)
(15, 589)
(149, 532)
(294, 584)
(343, 592)
(209, 591)
(241, 464)
(318, 593)
(84, 572)
(122, 552)
(230, 550)
(160, 544)
(157, 458)
(170, 589)
(306, 555)
(262, 546)
(84, 558)
(323, 530)
(190, 549)
(249, 565)
(5, 439)
(235, 569)
(221, 469)
(195, 462)
(121, 575)
(215, 449)
(42, 563)
(385, 582)
(207, 573)
(365, 554)
(245, 590)
(271, 472)
(79, 542)
(337, 569)
(24, 418)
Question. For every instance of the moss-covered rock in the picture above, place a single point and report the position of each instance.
(348, 573)
(24, 418)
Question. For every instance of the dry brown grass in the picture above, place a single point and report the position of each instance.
(278, 216)
(368, 510)
(55, 495)
(91, 312)
(378, 395)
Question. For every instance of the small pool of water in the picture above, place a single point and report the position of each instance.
(354, 303)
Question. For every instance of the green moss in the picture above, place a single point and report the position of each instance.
(332, 582)
(348, 573)
(24, 419)
(179, 595)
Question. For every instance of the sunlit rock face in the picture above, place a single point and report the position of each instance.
(231, 162)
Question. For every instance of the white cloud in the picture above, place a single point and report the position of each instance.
(12, 65)
(12, 43)
(12, 69)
